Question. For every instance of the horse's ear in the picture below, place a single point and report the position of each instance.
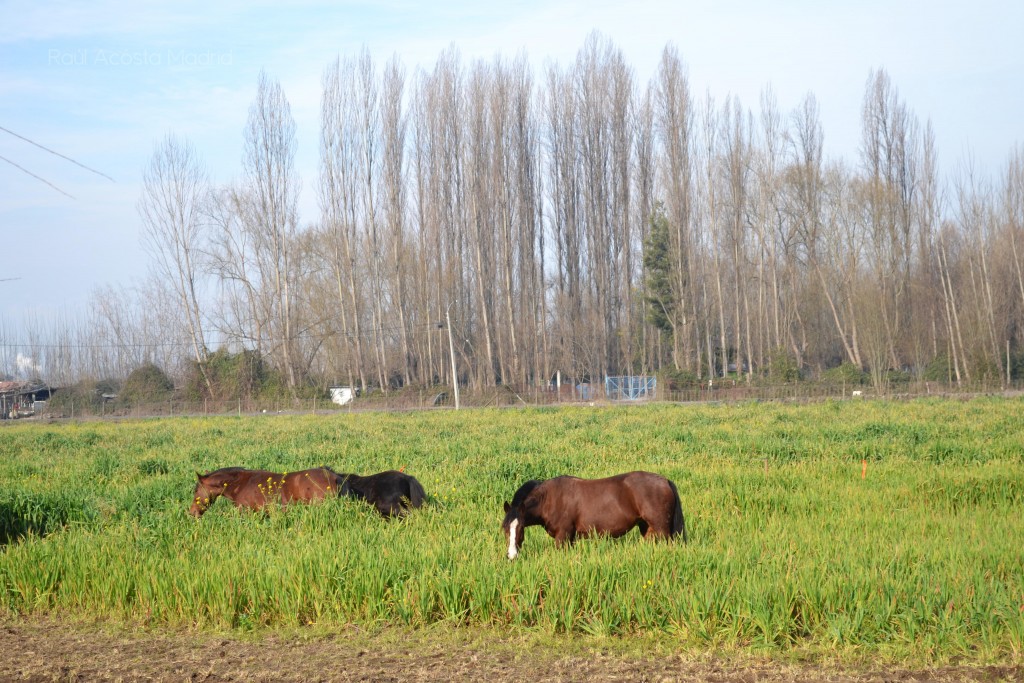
(199, 476)
(507, 507)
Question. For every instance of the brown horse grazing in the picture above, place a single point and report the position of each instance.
(568, 507)
(392, 493)
(256, 488)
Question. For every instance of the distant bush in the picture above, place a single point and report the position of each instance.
(679, 379)
(984, 369)
(146, 384)
(83, 397)
(847, 373)
(782, 367)
(1017, 365)
(893, 376)
(981, 368)
(242, 375)
(939, 369)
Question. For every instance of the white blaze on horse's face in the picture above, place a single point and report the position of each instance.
(513, 551)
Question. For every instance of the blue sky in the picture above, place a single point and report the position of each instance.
(103, 81)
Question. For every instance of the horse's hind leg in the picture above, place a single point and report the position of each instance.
(390, 507)
(655, 530)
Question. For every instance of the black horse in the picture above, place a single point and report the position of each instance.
(392, 493)
(568, 507)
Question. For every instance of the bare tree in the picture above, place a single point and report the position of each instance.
(890, 159)
(736, 169)
(675, 126)
(1012, 206)
(255, 229)
(340, 205)
(174, 187)
(393, 191)
(521, 207)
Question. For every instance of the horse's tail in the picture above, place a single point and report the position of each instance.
(417, 496)
(678, 521)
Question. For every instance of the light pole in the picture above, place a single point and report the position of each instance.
(451, 350)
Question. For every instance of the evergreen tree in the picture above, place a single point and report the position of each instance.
(658, 294)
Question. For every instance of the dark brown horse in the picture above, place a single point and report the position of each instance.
(392, 493)
(256, 488)
(568, 507)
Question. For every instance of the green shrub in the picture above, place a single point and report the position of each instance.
(845, 374)
(244, 375)
(782, 367)
(82, 398)
(146, 384)
(897, 376)
(939, 369)
(679, 379)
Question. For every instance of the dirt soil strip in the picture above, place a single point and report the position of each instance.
(52, 651)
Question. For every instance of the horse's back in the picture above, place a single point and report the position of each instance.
(649, 489)
(639, 482)
(243, 479)
(391, 492)
(612, 505)
(312, 484)
(405, 485)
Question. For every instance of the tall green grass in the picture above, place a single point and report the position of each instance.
(790, 548)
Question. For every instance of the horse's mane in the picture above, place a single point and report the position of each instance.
(224, 472)
(524, 491)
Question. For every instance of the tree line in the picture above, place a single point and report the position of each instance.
(566, 220)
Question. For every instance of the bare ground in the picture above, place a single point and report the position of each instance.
(48, 650)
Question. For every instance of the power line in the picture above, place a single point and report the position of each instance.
(216, 343)
(110, 345)
(47, 149)
(44, 180)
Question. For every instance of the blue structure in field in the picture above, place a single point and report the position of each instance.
(630, 388)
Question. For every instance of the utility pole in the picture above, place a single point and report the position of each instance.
(451, 350)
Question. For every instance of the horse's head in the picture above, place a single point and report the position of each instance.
(514, 527)
(524, 504)
(207, 490)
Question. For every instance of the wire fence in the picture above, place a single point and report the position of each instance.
(437, 398)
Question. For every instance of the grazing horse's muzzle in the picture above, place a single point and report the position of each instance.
(513, 539)
(201, 499)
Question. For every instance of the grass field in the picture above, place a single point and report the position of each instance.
(792, 549)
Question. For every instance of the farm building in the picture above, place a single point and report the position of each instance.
(20, 399)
